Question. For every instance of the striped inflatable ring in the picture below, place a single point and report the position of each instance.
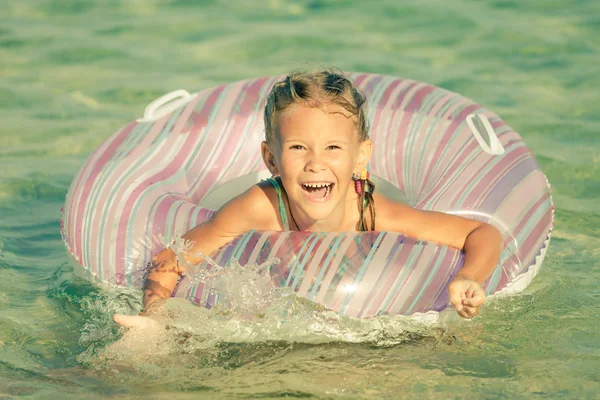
(154, 178)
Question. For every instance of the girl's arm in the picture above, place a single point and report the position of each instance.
(481, 242)
(250, 210)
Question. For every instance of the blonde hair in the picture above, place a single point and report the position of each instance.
(315, 89)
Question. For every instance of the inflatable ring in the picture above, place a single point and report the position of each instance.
(163, 174)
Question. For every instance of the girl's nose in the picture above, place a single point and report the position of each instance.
(315, 163)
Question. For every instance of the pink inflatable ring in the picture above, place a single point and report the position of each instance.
(166, 173)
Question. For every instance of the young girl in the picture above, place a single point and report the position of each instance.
(317, 147)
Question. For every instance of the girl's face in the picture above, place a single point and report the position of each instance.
(315, 152)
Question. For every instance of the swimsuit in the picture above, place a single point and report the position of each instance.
(282, 210)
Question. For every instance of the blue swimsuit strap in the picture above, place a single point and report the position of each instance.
(282, 210)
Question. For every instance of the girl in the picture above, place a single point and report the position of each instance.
(317, 147)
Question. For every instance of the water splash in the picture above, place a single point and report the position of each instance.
(250, 311)
(254, 314)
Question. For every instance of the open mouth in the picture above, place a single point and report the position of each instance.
(317, 190)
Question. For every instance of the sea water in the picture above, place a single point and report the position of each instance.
(72, 72)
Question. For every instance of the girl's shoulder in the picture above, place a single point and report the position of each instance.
(257, 207)
(251, 210)
(390, 213)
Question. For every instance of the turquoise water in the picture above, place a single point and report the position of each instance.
(72, 72)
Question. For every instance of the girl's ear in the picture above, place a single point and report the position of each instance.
(269, 158)
(364, 154)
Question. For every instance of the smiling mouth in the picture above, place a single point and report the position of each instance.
(318, 190)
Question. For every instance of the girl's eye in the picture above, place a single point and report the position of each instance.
(333, 147)
(296, 147)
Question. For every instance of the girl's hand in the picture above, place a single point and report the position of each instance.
(466, 295)
(144, 320)
(135, 321)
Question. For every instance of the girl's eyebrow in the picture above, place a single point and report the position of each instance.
(327, 142)
(292, 140)
(338, 141)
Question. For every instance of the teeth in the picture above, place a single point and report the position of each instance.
(317, 185)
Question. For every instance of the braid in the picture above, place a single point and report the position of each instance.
(327, 86)
(365, 200)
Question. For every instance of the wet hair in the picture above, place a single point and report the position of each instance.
(316, 89)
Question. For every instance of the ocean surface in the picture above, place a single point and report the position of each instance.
(73, 72)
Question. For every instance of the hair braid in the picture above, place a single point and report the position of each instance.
(366, 201)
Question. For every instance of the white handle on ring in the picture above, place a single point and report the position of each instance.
(484, 133)
(165, 104)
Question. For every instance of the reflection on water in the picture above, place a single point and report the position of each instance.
(75, 71)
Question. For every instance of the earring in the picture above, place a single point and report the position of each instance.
(364, 175)
(359, 180)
